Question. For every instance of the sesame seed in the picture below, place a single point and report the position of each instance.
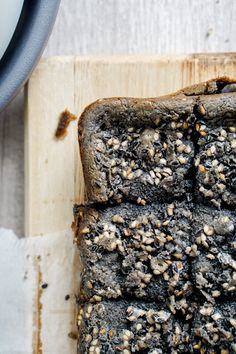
(118, 219)
(85, 230)
(201, 168)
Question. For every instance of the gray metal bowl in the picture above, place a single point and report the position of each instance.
(26, 46)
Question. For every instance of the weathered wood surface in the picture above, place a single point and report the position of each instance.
(143, 27)
(38, 283)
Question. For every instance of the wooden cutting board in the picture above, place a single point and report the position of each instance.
(53, 174)
(54, 179)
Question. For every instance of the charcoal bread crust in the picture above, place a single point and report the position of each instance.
(110, 131)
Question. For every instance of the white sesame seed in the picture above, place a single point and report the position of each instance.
(209, 230)
(118, 219)
(232, 129)
(163, 161)
(182, 160)
(188, 149)
(233, 144)
(126, 351)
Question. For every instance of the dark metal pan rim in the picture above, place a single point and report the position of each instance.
(26, 46)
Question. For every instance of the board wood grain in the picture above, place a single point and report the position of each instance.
(53, 173)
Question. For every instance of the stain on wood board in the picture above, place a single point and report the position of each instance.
(35, 318)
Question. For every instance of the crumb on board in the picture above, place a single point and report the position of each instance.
(64, 120)
(72, 335)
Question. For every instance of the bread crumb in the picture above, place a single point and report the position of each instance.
(64, 120)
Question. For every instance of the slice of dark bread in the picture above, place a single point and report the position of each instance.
(113, 327)
(214, 267)
(128, 251)
(143, 149)
(215, 164)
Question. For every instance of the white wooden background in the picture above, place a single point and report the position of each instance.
(112, 27)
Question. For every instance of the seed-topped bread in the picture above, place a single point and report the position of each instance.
(214, 328)
(157, 236)
(113, 327)
(214, 267)
(136, 252)
(215, 164)
(143, 149)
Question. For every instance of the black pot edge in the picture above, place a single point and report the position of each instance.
(25, 49)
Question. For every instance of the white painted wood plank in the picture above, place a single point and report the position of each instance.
(143, 27)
